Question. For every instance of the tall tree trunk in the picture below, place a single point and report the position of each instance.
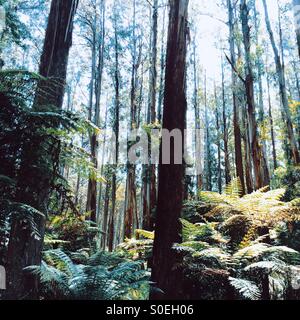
(24, 249)
(130, 195)
(247, 154)
(150, 170)
(275, 164)
(236, 117)
(105, 215)
(162, 69)
(261, 171)
(298, 93)
(116, 133)
(218, 127)
(130, 202)
(208, 162)
(261, 111)
(95, 89)
(296, 4)
(102, 168)
(225, 131)
(292, 144)
(153, 65)
(197, 123)
(171, 177)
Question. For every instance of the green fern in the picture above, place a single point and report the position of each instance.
(247, 289)
(145, 234)
(105, 277)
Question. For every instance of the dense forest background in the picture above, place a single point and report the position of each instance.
(73, 226)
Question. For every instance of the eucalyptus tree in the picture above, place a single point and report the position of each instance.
(171, 176)
(24, 249)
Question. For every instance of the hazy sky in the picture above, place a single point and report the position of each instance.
(211, 30)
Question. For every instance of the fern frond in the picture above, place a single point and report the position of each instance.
(234, 189)
(213, 258)
(61, 261)
(145, 234)
(248, 289)
(267, 267)
(251, 252)
(195, 245)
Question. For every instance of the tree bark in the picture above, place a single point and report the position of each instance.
(149, 178)
(261, 171)
(24, 249)
(162, 69)
(199, 181)
(171, 177)
(274, 154)
(236, 118)
(208, 162)
(296, 4)
(225, 131)
(261, 111)
(218, 127)
(130, 195)
(116, 133)
(98, 38)
(292, 144)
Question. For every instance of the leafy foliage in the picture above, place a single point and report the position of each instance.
(104, 277)
(240, 247)
(74, 229)
(30, 153)
(246, 288)
(139, 247)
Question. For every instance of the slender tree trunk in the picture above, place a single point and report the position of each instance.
(153, 67)
(208, 166)
(130, 202)
(102, 168)
(198, 153)
(116, 132)
(261, 112)
(247, 154)
(225, 131)
(171, 177)
(91, 198)
(130, 195)
(275, 164)
(105, 215)
(150, 170)
(298, 91)
(292, 144)
(218, 127)
(24, 249)
(236, 118)
(162, 69)
(296, 4)
(77, 188)
(261, 171)
(95, 89)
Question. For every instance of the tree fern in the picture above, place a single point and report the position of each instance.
(106, 277)
(247, 289)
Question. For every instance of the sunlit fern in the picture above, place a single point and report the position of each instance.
(205, 232)
(246, 288)
(264, 208)
(139, 247)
